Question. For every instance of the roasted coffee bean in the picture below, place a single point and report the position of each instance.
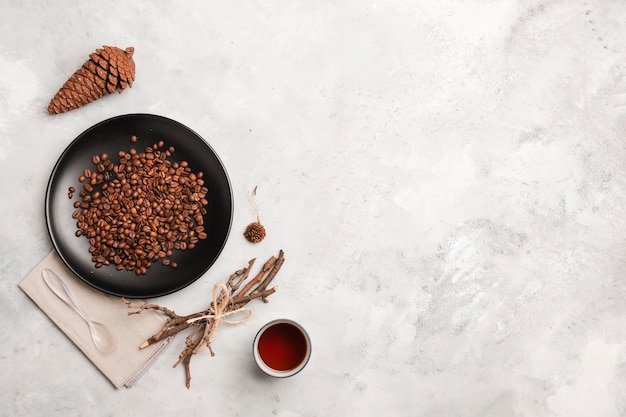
(140, 209)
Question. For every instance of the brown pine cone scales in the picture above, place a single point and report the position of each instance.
(255, 232)
(107, 70)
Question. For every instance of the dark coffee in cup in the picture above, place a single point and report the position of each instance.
(282, 348)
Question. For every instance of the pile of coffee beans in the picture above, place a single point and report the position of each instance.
(137, 210)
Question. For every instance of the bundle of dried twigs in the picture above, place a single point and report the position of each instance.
(228, 300)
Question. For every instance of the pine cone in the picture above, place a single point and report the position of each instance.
(255, 232)
(107, 70)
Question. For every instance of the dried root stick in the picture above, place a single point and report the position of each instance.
(227, 300)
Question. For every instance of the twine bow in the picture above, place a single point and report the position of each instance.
(221, 299)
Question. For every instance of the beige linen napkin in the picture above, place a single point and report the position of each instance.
(128, 363)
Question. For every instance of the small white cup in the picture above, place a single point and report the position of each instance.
(282, 348)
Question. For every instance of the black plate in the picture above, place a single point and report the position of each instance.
(111, 136)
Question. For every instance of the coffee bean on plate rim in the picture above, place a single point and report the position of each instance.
(140, 209)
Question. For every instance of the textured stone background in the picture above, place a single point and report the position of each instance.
(446, 179)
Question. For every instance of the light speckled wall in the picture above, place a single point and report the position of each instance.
(446, 179)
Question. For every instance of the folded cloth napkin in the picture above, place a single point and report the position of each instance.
(127, 363)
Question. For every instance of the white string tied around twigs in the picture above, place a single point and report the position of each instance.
(221, 300)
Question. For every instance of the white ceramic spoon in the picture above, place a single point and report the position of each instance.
(103, 337)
